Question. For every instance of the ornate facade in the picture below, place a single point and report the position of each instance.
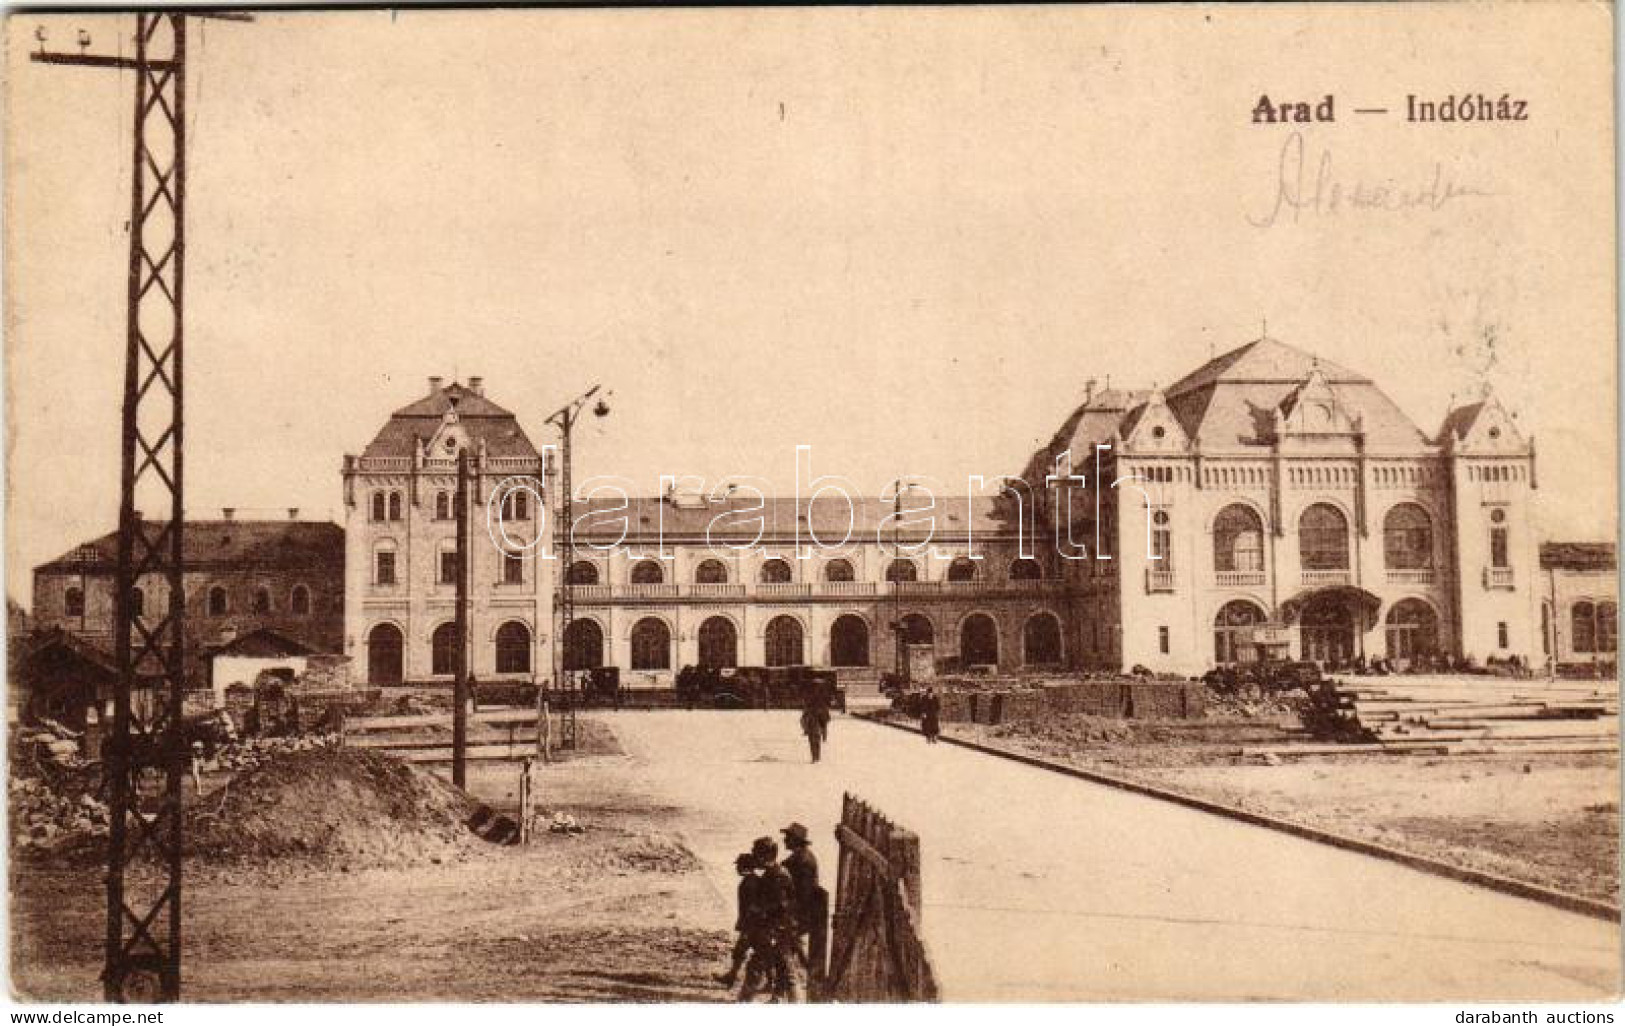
(1273, 503)
(1268, 503)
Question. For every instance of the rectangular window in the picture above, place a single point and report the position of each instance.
(1162, 640)
(1501, 635)
(386, 568)
(1498, 548)
(513, 568)
(448, 567)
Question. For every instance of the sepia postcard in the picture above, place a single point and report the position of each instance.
(862, 504)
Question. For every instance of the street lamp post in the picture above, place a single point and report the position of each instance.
(564, 680)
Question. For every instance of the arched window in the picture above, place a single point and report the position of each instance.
(1500, 554)
(1162, 540)
(218, 603)
(443, 649)
(783, 642)
(711, 571)
(775, 571)
(384, 648)
(1323, 538)
(442, 506)
(838, 571)
(1232, 628)
(647, 571)
(1607, 627)
(583, 572)
(1407, 538)
(394, 505)
(1238, 540)
(516, 505)
(963, 568)
(1413, 630)
(261, 602)
(651, 645)
(583, 645)
(380, 509)
(1584, 631)
(1026, 569)
(1041, 640)
(300, 601)
(719, 643)
(849, 641)
(138, 602)
(513, 648)
(73, 602)
(979, 641)
(902, 571)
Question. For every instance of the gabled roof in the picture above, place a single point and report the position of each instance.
(1460, 420)
(482, 419)
(1264, 360)
(1577, 556)
(1230, 401)
(268, 544)
(263, 642)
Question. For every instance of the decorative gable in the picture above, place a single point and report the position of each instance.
(1313, 408)
(1489, 429)
(1153, 427)
(449, 439)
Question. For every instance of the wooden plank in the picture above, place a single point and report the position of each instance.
(366, 723)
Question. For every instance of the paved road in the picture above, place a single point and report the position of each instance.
(1042, 887)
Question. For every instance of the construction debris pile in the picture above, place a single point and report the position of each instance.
(324, 803)
(1479, 715)
(45, 817)
(250, 753)
(47, 743)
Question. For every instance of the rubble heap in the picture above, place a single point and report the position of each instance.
(326, 803)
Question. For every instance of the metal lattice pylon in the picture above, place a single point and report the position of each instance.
(144, 756)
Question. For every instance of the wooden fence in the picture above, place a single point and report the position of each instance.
(878, 951)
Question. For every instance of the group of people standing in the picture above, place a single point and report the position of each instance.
(782, 923)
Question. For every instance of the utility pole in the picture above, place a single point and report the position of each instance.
(143, 760)
(459, 715)
(564, 678)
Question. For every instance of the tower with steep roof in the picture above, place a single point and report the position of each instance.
(400, 543)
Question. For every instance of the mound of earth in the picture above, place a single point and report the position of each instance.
(343, 804)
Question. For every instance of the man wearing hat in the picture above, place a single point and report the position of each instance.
(811, 901)
(778, 920)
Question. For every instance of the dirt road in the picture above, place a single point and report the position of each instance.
(1042, 887)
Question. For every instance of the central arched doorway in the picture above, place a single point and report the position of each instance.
(583, 645)
(384, 649)
(651, 644)
(979, 641)
(1041, 640)
(783, 639)
(1326, 629)
(849, 641)
(719, 643)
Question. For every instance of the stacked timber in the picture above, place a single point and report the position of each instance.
(1487, 714)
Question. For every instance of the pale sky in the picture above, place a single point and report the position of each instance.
(905, 237)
